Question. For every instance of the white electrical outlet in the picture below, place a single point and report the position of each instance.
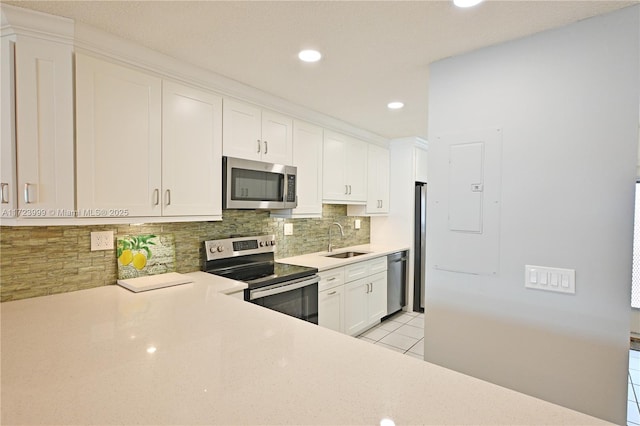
(357, 224)
(102, 240)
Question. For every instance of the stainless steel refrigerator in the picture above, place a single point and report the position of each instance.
(420, 247)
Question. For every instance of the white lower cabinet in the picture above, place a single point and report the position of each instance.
(365, 302)
(331, 299)
(353, 298)
(331, 308)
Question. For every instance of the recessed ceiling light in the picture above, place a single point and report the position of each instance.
(309, 55)
(466, 3)
(395, 105)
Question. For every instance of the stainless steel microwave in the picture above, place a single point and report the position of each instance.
(251, 184)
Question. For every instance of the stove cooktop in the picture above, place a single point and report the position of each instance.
(265, 273)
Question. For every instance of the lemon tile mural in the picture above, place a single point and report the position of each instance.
(148, 254)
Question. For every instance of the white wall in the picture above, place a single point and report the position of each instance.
(568, 103)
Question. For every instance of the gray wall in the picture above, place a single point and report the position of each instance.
(567, 101)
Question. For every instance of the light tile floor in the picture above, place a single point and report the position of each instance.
(404, 332)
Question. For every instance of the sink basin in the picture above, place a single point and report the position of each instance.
(345, 254)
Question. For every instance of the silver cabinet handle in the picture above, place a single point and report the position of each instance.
(346, 190)
(156, 196)
(258, 146)
(168, 196)
(332, 293)
(349, 189)
(266, 147)
(4, 199)
(331, 279)
(26, 194)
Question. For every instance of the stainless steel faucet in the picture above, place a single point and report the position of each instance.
(330, 247)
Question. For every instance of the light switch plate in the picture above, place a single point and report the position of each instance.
(102, 240)
(288, 229)
(356, 225)
(550, 279)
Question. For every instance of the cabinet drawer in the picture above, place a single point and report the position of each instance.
(377, 265)
(356, 271)
(331, 278)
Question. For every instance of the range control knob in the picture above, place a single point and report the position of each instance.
(220, 249)
(261, 243)
(273, 242)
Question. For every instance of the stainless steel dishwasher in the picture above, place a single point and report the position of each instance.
(396, 281)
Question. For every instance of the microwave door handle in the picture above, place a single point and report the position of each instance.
(285, 189)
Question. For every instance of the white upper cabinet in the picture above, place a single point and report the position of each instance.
(344, 174)
(255, 134)
(307, 157)
(119, 145)
(378, 180)
(147, 147)
(8, 181)
(37, 136)
(191, 151)
(420, 159)
(377, 184)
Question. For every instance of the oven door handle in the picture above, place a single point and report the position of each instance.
(282, 287)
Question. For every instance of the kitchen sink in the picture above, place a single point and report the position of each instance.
(345, 254)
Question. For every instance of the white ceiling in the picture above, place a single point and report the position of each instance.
(374, 52)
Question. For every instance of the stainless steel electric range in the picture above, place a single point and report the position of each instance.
(290, 289)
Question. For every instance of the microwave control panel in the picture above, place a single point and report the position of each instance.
(291, 189)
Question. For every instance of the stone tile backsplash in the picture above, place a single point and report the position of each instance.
(42, 260)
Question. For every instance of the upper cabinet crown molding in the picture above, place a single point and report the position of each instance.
(16, 20)
(106, 45)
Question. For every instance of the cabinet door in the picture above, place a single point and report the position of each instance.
(8, 182)
(331, 309)
(356, 170)
(241, 130)
(378, 180)
(355, 306)
(307, 157)
(277, 138)
(44, 124)
(191, 141)
(377, 297)
(118, 138)
(421, 164)
(334, 165)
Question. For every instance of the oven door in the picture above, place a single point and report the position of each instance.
(297, 298)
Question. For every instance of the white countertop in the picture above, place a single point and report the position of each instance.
(85, 358)
(322, 262)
